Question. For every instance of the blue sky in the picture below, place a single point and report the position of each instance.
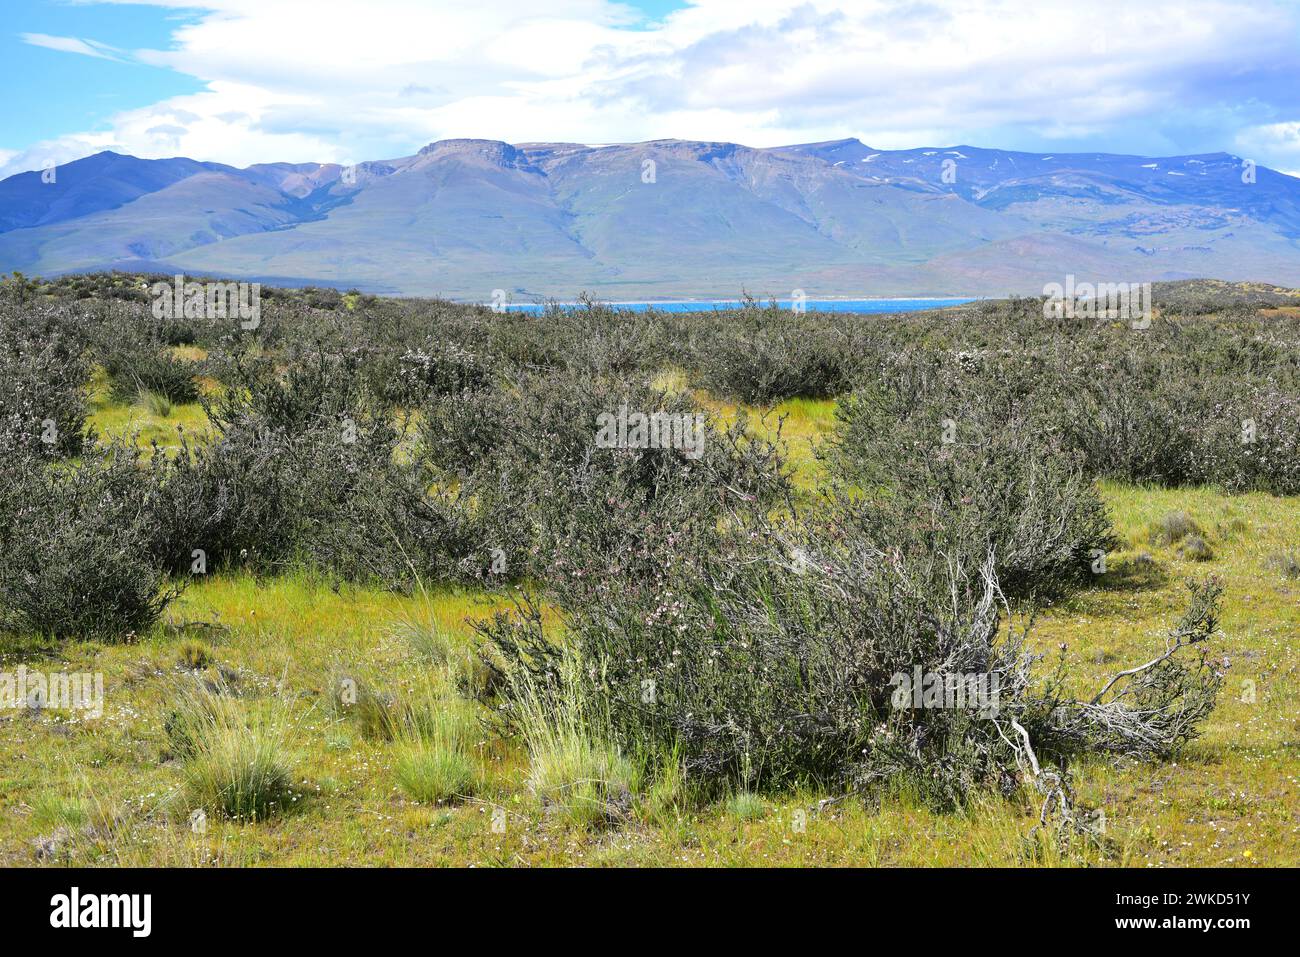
(60, 93)
(244, 81)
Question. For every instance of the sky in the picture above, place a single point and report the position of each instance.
(249, 81)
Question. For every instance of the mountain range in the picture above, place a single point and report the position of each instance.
(665, 219)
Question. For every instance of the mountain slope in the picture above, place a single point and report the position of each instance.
(668, 218)
(103, 181)
(204, 208)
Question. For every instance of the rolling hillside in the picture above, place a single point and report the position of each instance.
(665, 219)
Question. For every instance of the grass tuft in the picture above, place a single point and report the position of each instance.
(155, 403)
(194, 655)
(433, 772)
(237, 762)
(50, 811)
(1196, 549)
(1173, 528)
(435, 743)
(355, 699)
(1286, 564)
(578, 777)
(747, 806)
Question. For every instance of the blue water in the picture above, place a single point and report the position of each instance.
(814, 305)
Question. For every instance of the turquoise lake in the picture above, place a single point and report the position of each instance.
(814, 305)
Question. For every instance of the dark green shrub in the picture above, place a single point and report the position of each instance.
(43, 375)
(396, 530)
(966, 471)
(133, 372)
(544, 483)
(458, 432)
(435, 370)
(74, 551)
(263, 496)
(774, 661)
(292, 393)
(762, 356)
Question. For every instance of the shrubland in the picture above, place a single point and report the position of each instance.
(680, 624)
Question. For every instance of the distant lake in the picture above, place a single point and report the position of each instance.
(814, 305)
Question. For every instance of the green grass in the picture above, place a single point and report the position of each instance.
(574, 777)
(52, 811)
(432, 774)
(747, 807)
(435, 753)
(237, 760)
(152, 418)
(429, 793)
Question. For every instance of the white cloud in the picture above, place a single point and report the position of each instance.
(337, 80)
(70, 45)
(1279, 141)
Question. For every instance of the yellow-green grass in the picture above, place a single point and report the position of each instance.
(272, 641)
(1234, 796)
(107, 790)
(797, 425)
(117, 420)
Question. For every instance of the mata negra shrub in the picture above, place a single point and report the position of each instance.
(43, 375)
(962, 467)
(75, 558)
(775, 660)
(761, 356)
